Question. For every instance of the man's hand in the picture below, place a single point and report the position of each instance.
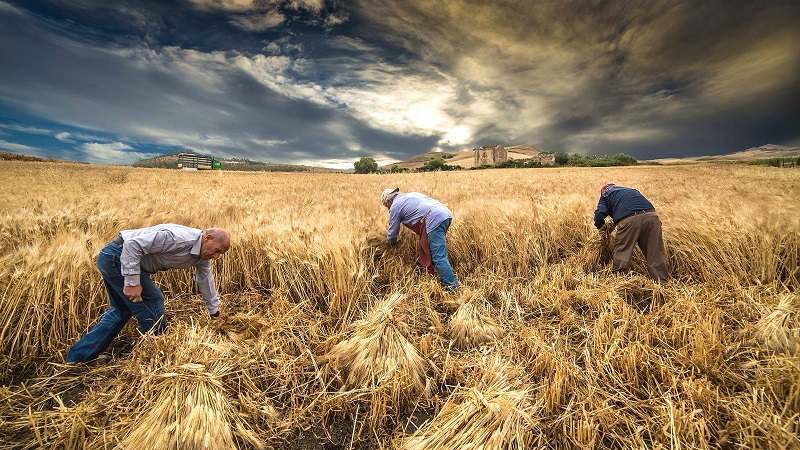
(134, 293)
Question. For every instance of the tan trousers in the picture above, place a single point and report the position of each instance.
(643, 229)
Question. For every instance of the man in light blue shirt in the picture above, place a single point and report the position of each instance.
(430, 219)
(126, 264)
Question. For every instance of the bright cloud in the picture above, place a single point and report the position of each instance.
(112, 153)
(228, 5)
(63, 136)
(14, 147)
(25, 129)
(764, 69)
(249, 5)
(259, 22)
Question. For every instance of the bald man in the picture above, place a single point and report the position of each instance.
(126, 264)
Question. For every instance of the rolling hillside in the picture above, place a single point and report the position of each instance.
(170, 161)
(767, 151)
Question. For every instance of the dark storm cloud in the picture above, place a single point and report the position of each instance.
(209, 101)
(595, 77)
(328, 81)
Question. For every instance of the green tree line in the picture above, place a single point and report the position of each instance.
(368, 165)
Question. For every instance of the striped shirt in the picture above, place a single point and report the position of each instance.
(163, 247)
(619, 202)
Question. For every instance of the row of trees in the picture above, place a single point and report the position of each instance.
(369, 165)
(578, 160)
(574, 160)
(779, 162)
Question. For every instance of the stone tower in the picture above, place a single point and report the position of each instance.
(490, 154)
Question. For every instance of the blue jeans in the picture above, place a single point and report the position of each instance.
(438, 245)
(149, 312)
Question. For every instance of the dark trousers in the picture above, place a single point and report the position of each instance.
(645, 230)
(149, 312)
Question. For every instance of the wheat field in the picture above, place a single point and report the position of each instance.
(331, 340)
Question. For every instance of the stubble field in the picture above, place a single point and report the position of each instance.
(331, 340)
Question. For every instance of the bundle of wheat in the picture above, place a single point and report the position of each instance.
(243, 328)
(638, 291)
(43, 414)
(494, 413)
(181, 376)
(774, 332)
(378, 358)
(472, 324)
(187, 412)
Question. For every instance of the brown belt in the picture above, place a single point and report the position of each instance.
(636, 214)
(118, 240)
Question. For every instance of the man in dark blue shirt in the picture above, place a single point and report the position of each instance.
(637, 223)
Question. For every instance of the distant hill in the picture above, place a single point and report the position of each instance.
(8, 156)
(422, 158)
(767, 151)
(170, 161)
(763, 152)
(465, 159)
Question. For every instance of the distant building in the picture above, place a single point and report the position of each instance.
(547, 159)
(490, 155)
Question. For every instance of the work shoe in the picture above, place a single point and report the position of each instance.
(451, 288)
(102, 359)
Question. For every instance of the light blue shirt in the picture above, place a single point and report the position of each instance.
(163, 247)
(409, 208)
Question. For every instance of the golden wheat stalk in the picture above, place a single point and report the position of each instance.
(709, 360)
(774, 331)
(494, 413)
(187, 404)
(472, 324)
(378, 356)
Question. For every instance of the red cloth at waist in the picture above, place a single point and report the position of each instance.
(424, 259)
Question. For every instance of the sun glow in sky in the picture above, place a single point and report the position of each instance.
(324, 83)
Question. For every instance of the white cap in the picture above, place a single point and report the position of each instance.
(388, 194)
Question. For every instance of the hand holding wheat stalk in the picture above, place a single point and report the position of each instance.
(600, 248)
(376, 241)
(605, 246)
